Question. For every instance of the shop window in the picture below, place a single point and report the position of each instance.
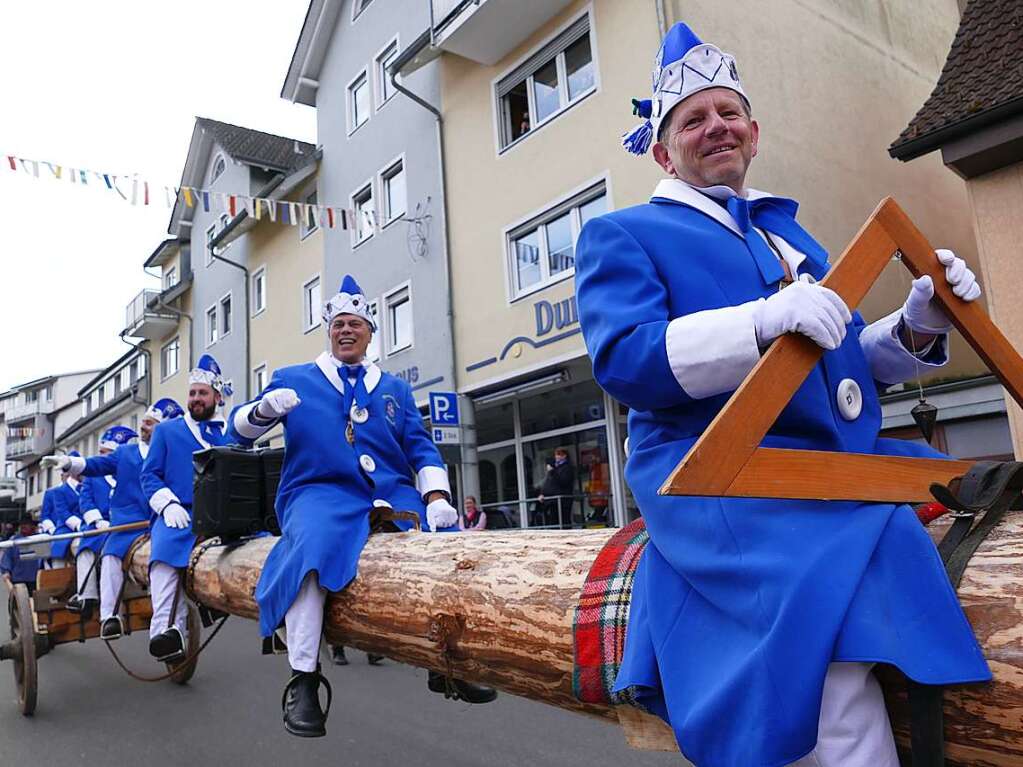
(572, 405)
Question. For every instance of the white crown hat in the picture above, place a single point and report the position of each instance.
(207, 371)
(349, 300)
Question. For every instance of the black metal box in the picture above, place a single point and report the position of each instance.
(234, 491)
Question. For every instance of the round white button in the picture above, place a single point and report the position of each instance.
(359, 414)
(850, 399)
(367, 463)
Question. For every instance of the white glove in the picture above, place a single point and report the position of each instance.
(803, 307)
(277, 403)
(174, 515)
(440, 513)
(102, 524)
(62, 462)
(923, 314)
(74, 522)
(47, 526)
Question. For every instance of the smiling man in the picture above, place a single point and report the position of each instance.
(355, 443)
(755, 623)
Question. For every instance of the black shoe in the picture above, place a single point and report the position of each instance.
(111, 629)
(337, 655)
(83, 606)
(457, 689)
(168, 647)
(301, 703)
(374, 659)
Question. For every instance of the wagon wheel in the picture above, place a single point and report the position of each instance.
(26, 678)
(184, 671)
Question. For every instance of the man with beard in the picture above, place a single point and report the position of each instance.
(166, 478)
(128, 504)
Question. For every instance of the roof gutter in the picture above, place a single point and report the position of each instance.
(929, 142)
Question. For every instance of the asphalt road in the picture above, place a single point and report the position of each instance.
(90, 712)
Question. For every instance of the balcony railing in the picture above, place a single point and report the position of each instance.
(39, 407)
(485, 31)
(143, 317)
(19, 448)
(136, 310)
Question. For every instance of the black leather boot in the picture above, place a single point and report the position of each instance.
(337, 655)
(168, 647)
(374, 659)
(301, 703)
(458, 689)
(111, 629)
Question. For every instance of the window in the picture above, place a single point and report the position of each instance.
(170, 278)
(102, 392)
(125, 374)
(559, 75)
(210, 234)
(258, 291)
(311, 304)
(32, 485)
(211, 326)
(140, 363)
(31, 396)
(542, 251)
(219, 166)
(373, 350)
(384, 60)
(48, 393)
(358, 102)
(225, 315)
(259, 378)
(399, 320)
(365, 213)
(49, 478)
(358, 7)
(169, 358)
(393, 189)
(309, 223)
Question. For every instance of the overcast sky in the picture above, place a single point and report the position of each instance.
(114, 87)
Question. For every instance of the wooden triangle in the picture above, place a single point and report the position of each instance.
(727, 460)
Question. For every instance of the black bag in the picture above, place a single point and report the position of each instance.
(234, 492)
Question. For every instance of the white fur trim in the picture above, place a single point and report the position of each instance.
(158, 501)
(431, 479)
(891, 362)
(711, 352)
(245, 427)
(77, 465)
(92, 516)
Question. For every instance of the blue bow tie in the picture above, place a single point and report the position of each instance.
(778, 216)
(211, 432)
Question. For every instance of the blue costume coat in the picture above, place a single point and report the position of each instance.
(59, 503)
(127, 502)
(95, 495)
(739, 605)
(329, 486)
(167, 475)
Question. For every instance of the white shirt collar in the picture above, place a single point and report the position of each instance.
(193, 426)
(329, 364)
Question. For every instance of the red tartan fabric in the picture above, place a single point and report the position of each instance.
(603, 614)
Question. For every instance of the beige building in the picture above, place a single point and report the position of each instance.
(533, 105)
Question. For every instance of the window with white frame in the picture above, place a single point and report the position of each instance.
(392, 187)
(558, 75)
(398, 308)
(259, 378)
(224, 221)
(309, 224)
(373, 350)
(225, 315)
(140, 366)
(125, 375)
(312, 304)
(542, 251)
(258, 290)
(211, 326)
(365, 213)
(219, 166)
(385, 89)
(358, 6)
(210, 234)
(118, 385)
(358, 101)
(170, 278)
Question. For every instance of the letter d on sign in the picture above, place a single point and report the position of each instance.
(544, 317)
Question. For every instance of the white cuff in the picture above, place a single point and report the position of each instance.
(77, 465)
(245, 427)
(431, 479)
(92, 516)
(712, 351)
(890, 361)
(158, 501)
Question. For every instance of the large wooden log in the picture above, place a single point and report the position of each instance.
(497, 608)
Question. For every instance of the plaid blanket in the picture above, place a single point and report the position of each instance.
(598, 631)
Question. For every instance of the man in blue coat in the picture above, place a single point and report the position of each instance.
(14, 566)
(355, 440)
(755, 623)
(59, 513)
(167, 478)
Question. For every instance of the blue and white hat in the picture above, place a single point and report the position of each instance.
(349, 300)
(164, 410)
(207, 371)
(116, 436)
(684, 65)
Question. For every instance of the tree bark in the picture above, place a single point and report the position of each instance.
(497, 608)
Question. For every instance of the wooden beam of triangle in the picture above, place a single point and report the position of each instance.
(727, 459)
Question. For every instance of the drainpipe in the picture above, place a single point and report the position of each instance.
(248, 335)
(470, 471)
(149, 372)
(662, 21)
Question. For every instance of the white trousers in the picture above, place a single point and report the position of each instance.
(304, 624)
(111, 576)
(163, 583)
(88, 582)
(56, 563)
(854, 730)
